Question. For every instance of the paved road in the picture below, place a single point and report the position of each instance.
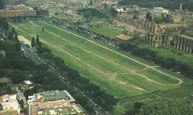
(33, 56)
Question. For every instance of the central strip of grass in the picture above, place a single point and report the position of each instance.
(79, 47)
(106, 31)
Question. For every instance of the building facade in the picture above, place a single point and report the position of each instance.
(10, 103)
(53, 103)
(16, 11)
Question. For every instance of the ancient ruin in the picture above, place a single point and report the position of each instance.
(157, 36)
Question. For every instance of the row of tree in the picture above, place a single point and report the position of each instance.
(166, 107)
(36, 42)
(164, 18)
(2, 3)
(13, 59)
(83, 84)
(89, 13)
(168, 63)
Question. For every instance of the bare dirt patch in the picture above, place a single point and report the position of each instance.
(24, 40)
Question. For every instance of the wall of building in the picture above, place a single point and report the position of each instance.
(9, 14)
(10, 103)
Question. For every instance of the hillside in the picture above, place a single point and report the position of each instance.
(170, 4)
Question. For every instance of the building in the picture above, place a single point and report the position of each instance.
(9, 105)
(160, 10)
(4, 81)
(12, 1)
(52, 103)
(121, 10)
(110, 2)
(27, 84)
(16, 11)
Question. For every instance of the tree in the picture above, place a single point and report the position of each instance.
(89, 13)
(33, 42)
(2, 3)
(40, 44)
(165, 18)
(38, 41)
(166, 107)
(17, 46)
(136, 15)
(90, 2)
(169, 18)
(125, 32)
(43, 29)
(149, 16)
(13, 30)
(16, 37)
(1, 107)
(113, 12)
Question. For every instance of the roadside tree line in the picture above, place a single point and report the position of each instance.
(82, 84)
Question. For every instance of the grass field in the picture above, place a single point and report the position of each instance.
(118, 74)
(107, 31)
(171, 53)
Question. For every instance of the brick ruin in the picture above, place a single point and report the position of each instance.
(156, 36)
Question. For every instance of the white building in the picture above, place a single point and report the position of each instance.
(10, 103)
(160, 10)
(121, 10)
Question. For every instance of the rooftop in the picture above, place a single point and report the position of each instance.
(14, 8)
(28, 82)
(56, 95)
(19, 7)
(161, 8)
(53, 95)
(65, 109)
(54, 102)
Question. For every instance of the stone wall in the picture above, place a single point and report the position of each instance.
(179, 42)
(156, 36)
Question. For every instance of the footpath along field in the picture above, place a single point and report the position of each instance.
(118, 74)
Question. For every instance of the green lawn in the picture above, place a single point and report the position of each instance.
(106, 31)
(118, 74)
(171, 53)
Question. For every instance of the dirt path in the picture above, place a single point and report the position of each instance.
(136, 61)
(24, 40)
